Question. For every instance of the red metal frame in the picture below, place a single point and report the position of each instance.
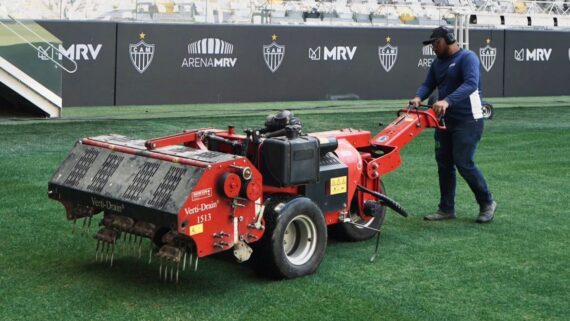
(139, 152)
(216, 220)
(407, 126)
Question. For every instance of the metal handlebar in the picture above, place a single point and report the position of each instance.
(440, 120)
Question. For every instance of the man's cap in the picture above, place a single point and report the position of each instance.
(439, 32)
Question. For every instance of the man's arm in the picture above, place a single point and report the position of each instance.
(470, 69)
(425, 89)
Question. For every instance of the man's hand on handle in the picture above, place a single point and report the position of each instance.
(415, 102)
(440, 107)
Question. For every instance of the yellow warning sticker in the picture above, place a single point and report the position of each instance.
(338, 185)
(196, 229)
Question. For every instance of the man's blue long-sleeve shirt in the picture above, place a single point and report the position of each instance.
(458, 82)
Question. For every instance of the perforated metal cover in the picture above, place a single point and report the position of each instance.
(116, 181)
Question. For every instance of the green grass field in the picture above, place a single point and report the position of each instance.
(516, 268)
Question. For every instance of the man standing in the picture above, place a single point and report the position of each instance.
(455, 73)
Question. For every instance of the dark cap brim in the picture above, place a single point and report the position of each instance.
(430, 41)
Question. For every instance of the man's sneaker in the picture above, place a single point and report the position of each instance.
(440, 216)
(487, 213)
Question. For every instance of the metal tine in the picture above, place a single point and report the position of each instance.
(140, 246)
(126, 242)
(196, 266)
(177, 271)
(134, 245)
(73, 228)
(97, 249)
(89, 225)
(132, 240)
(171, 270)
(83, 225)
(150, 255)
(160, 270)
(125, 239)
(107, 250)
(101, 252)
(183, 263)
(103, 246)
(112, 253)
(130, 244)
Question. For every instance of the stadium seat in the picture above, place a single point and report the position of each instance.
(520, 7)
(517, 13)
(406, 15)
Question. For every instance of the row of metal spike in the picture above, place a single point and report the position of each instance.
(167, 265)
(109, 241)
(105, 250)
(85, 226)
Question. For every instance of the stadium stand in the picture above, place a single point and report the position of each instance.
(93, 46)
(486, 13)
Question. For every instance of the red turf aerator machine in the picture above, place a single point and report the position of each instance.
(269, 194)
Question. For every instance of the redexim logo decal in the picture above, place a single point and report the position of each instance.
(336, 53)
(141, 54)
(210, 53)
(487, 55)
(536, 54)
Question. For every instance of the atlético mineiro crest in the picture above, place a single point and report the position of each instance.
(487, 55)
(273, 54)
(141, 54)
(388, 55)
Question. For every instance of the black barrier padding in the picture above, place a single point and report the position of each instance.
(92, 46)
(297, 78)
(167, 81)
(537, 63)
(173, 76)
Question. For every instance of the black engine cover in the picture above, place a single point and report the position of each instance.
(287, 162)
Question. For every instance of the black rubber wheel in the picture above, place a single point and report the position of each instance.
(353, 233)
(295, 238)
(488, 111)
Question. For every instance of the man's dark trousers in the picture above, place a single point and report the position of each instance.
(455, 148)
